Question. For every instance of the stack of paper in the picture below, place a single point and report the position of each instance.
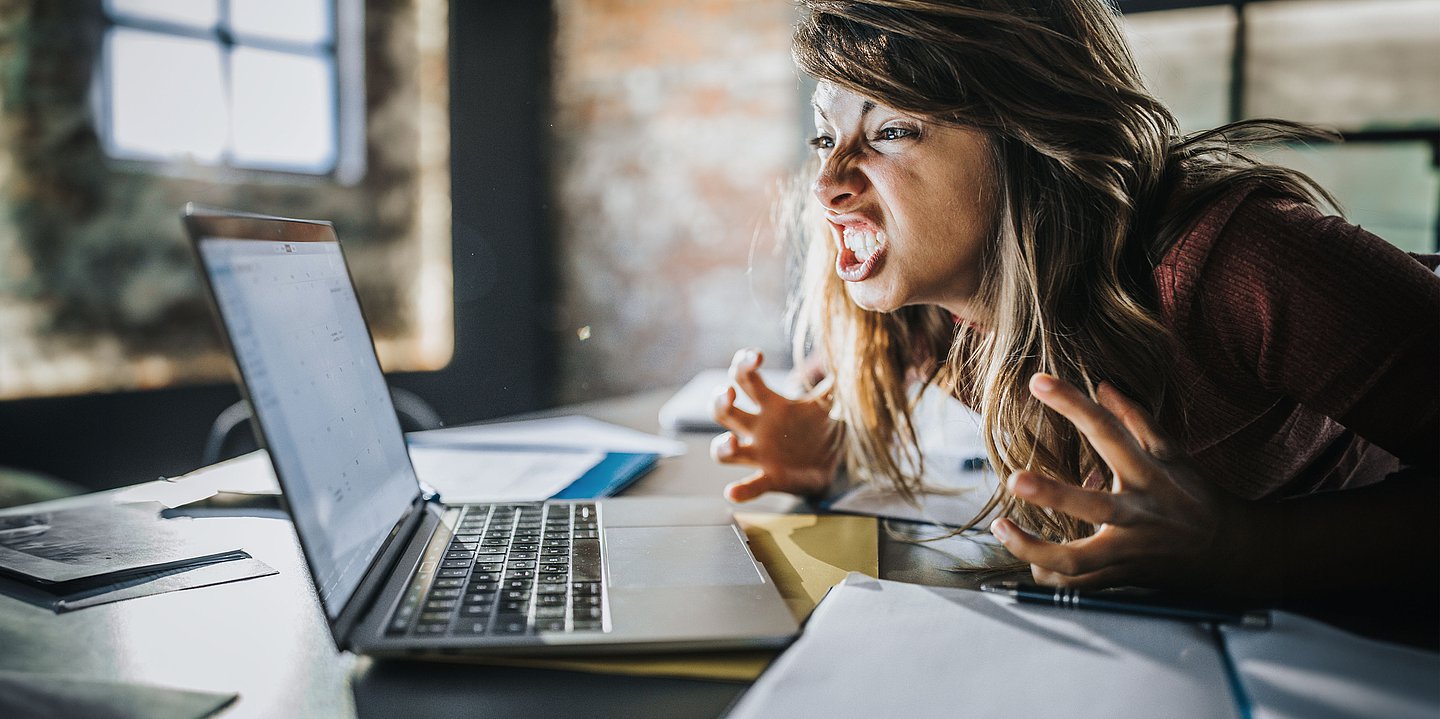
(881, 648)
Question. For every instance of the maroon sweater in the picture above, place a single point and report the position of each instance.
(1310, 349)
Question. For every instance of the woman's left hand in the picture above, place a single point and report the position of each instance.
(1160, 524)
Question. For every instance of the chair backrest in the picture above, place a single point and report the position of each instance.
(224, 441)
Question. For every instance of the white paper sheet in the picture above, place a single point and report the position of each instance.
(880, 648)
(464, 476)
(949, 434)
(1304, 669)
(461, 475)
(569, 432)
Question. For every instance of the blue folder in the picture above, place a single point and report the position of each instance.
(610, 476)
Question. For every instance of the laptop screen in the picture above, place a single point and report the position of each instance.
(307, 360)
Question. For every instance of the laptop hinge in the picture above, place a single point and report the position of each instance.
(380, 570)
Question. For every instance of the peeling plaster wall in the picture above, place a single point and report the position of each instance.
(675, 123)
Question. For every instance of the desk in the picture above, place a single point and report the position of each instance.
(266, 639)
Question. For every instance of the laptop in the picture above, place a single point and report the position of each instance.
(399, 573)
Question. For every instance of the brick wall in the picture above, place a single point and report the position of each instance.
(674, 125)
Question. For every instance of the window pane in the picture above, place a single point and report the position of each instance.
(202, 14)
(299, 21)
(284, 110)
(1185, 57)
(166, 97)
(1349, 63)
(1391, 189)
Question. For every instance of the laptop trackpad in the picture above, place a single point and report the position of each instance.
(678, 557)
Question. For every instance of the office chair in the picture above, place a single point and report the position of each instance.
(225, 442)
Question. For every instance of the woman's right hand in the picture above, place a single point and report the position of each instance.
(794, 444)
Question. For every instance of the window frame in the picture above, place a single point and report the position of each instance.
(1237, 84)
(345, 50)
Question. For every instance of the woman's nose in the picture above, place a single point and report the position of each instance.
(838, 184)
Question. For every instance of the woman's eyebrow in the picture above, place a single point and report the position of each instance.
(865, 108)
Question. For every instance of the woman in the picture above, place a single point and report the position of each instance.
(1177, 358)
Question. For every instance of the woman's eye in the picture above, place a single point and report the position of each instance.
(889, 134)
(821, 142)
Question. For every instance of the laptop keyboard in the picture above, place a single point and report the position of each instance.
(507, 569)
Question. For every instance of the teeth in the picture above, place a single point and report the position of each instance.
(863, 242)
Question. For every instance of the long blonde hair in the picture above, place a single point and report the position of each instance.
(1094, 184)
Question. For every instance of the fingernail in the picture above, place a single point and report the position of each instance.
(748, 357)
(1043, 382)
(998, 529)
(1021, 484)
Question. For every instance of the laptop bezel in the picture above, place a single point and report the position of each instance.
(203, 223)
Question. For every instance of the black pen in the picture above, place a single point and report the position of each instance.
(1145, 604)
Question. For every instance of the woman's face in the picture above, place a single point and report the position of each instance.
(909, 203)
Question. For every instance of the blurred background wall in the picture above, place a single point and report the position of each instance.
(675, 126)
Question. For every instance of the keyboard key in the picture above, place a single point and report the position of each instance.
(516, 626)
(445, 593)
(515, 606)
(441, 605)
(519, 584)
(551, 589)
(476, 610)
(585, 589)
(520, 574)
(550, 625)
(587, 613)
(587, 626)
(550, 600)
(450, 582)
(516, 595)
(522, 564)
(472, 628)
(454, 572)
(556, 612)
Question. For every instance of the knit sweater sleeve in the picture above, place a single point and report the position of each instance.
(1317, 309)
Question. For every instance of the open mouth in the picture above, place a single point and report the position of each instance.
(861, 251)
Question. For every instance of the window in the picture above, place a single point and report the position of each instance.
(250, 84)
(1362, 67)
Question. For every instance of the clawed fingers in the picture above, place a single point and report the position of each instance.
(1072, 559)
(727, 449)
(1110, 437)
(730, 416)
(745, 371)
(1093, 506)
(1136, 420)
(750, 487)
(1108, 577)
